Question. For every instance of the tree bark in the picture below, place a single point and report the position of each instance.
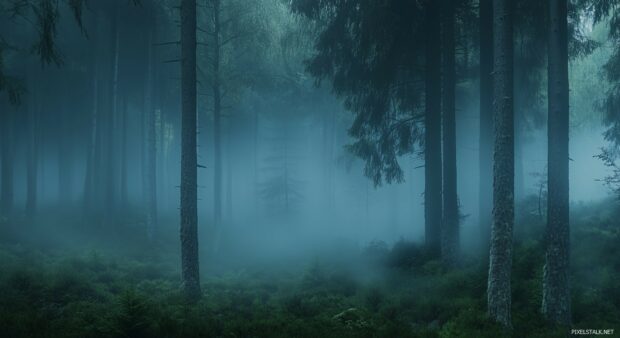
(499, 296)
(217, 118)
(286, 180)
(229, 173)
(143, 141)
(486, 123)
(151, 148)
(450, 224)
(432, 122)
(255, 158)
(92, 153)
(329, 121)
(6, 152)
(124, 155)
(32, 157)
(519, 170)
(111, 144)
(189, 214)
(556, 291)
(65, 150)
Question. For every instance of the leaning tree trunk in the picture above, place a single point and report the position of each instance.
(499, 297)
(189, 166)
(486, 123)
(432, 122)
(450, 224)
(556, 292)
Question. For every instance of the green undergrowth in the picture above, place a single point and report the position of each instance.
(397, 291)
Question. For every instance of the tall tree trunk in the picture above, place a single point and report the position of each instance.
(519, 170)
(432, 122)
(152, 175)
(151, 148)
(189, 210)
(450, 224)
(486, 123)
(144, 117)
(255, 159)
(161, 149)
(286, 171)
(32, 156)
(499, 297)
(102, 123)
(217, 118)
(93, 185)
(328, 156)
(6, 152)
(91, 156)
(64, 151)
(229, 173)
(111, 144)
(124, 155)
(556, 293)
(143, 141)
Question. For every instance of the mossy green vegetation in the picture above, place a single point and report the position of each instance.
(390, 291)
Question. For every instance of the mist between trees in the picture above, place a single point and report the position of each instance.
(270, 134)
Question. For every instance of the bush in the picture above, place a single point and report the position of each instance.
(101, 294)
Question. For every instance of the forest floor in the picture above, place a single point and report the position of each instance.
(49, 291)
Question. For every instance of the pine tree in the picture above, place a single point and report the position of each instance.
(432, 129)
(189, 211)
(499, 290)
(556, 292)
(486, 122)
(450, 220)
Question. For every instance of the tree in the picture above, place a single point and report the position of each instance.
(280, 188)
(189, 210)
(486, 121)
(531, 21)
(609, 10)
(32, 156)
(370, 54)
(432, 129)
(380, 57)
(556, 292)
(111, 117)
(499, 290)
(44, 16)
(235, 31)
(217, 111)
(450, 221)
(150, 155)
(93, 173)
(6, 154)
(375, 57)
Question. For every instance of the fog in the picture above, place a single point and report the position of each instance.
(314, 126)
(329, 198)
(301, 131)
